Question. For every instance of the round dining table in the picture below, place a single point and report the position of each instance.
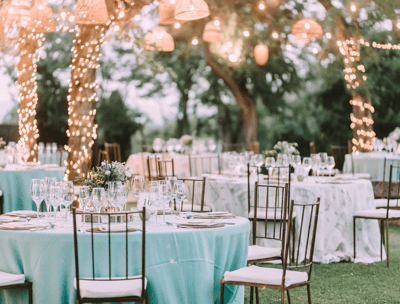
(16, 182)
(340, 199)
(183, 265)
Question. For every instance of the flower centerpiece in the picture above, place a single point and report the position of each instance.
(285, 147)
(271, 153)
(187, 140)
(395, 135)
(114, 172)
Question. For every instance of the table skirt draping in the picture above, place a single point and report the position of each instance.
(371, 163)
(16, 187)
(182, 265)
(334, 240)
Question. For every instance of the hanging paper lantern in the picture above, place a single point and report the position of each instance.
(163, 40)
(91, 12)
(149, 40)
(261, 54)
(212, 32)
(17, 11)
(191, 10)
(306, 29)
(42, 19)
(166, 11)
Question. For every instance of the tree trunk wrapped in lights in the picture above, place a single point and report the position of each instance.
(82, 99)
(28, 44)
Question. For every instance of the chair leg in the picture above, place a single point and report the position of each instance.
(283, 296)
(288, 296)
(222, 293)
(251, 294)
(293, 240)
(382, 237)
(257, 297)
(354, 236)
(309, 294)
(387, 242)
(30, 295)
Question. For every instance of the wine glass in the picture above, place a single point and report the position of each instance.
(323, 156)
(330, 163)
(315, 162)
(179, 193)
(55, 197)
(307, 164)
(110, 191)
(282, 160)
(121, 195)
(68, 196)
(138, 185)
(154, 199)
(47, 182)
(84, 197)
(165, 194)
(98, 198)
(37, 194)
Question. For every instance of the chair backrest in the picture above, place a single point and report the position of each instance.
(272, 176)
(387, 163)
(194, 187)
(304, 243)
(199, 165)
(312, 148)
(97, 261)
(152, 167)
(114, 151)
(147, 148)
(394, 189)
(270, 207)
(339, 153)
(349, 147)
(166, 168)
(103, 156)
(61, 151)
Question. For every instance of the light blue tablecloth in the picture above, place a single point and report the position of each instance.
(371, 163)
(182, 265)
(16, 187)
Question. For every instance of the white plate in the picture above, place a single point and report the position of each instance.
(23, 212)
(218, 213)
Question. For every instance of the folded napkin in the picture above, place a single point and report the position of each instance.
(113, 228)
(201, 224)
(8, 219)
(24, 213)
(11, 279)
(20, 226)
(214, 215)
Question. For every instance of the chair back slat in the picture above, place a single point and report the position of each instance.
(193, 182)
(109, 277)
(114, 151)
(394, 189)
(152, 167)
(206, 164)
(339, 153)
(163, 172)
(387, 162)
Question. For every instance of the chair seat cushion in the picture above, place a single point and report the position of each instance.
(383, 202)
(11, 279)
(259, 252)
(188, 207)
(263, 275)
(261, 212)
(378, 213)
(111, 289)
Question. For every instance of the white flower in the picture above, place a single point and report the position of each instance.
(128, 173)
(108, 172)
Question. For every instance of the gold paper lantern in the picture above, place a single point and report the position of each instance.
(166, 11)
(42, 19)
(91, 12)
(306, 29)
(17, 11)
(261, 54)
(159, 36)
(191, 10)
(212, 32)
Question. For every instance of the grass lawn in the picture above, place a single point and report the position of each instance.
(349, 282)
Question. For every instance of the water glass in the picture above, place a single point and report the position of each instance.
(138, 185)
(330, 163)
(37, 194)
(98, 198)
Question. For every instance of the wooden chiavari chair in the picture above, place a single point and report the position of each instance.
(114, 151)
(152, 167)
(190, 204)
(61, 151)
(147, 148)
(206, 165)
(102, 156)
(283, 279)
(163, 169)
(1, 202)
(383, 215)
(127, 288)
(15, 281)
(339, 153)
(381, 202)
(274, 213)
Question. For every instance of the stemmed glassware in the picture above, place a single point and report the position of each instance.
(165, 195)
(84, 198)
(330, 163)
(179, 193)
(98, 198)
(323, 156)
(68, 196)
(154, 199)
(138, 185)
(37, 194)
(55, 197)
(110, 192)
(121, 195)
(307, 164)
(315, 163)
(47, 182)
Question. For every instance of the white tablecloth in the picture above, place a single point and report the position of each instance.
(334, 241)
(371, 163)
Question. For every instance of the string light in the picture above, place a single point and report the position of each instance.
(246, 33)
(82, 130)
(353, 7)
(195, 41)
(177, 25)
(275, 35)
(217, 22)
(261, 6)
(328, 35)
